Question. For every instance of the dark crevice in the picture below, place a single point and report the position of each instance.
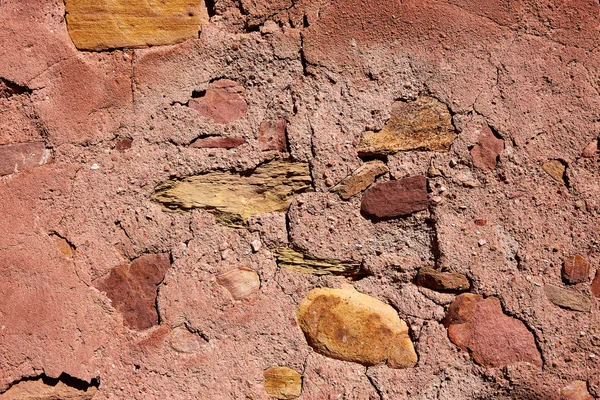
(196, 331)
(196, 94)
(303, 57)
(372, 157)
(65, 378)
(372, 382)
(9, 89)
(210, 8)
(58, 235)
(435, 243)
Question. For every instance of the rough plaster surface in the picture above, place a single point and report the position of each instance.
(117, 124)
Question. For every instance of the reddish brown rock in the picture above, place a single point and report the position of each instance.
(218, 142)
(575, 269)
(576, 390)
(22, 156)
(568, 299)
(123, 144)
(223, 102)
(271, 135)
(360, 179)
(485, 153)
(595, 288)
(556, 170)
(479, 326)
(132, 289)
(437, 280)
(590, 150)
(396, 198)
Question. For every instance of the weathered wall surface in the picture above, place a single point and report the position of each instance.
(299, 199)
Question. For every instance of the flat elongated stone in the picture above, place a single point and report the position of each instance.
(437, 280)
(294, 261)
(218, 142)
(132, 289)
(360, 179)
(423, 124)
(575, 269)
(479, 326)
(22, 156)
(351, 326)
(240, 282)
(108, 24)
(486, 152)
(567, 298)
(283, 383)
(223, 102)
(396, 198)
(233, 198)
(556, 170)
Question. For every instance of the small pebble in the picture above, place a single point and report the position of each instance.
(94, 166)
(256, 245)
(482, 242)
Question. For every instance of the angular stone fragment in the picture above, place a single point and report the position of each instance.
(271, 135)
(218, 142)
(223, 102)
(595, 288)
(396, 198)
(575, 269)
(423, 124)
(123, 144)
(232, 198)
(109, 24)
(22, 156)
(556, 170)
(590, 150)
(283, 383)
(63, 245)
(294, 261)
(360, 179)
(132, 289)
(48, 389)
(240, 282)
(437, 280)
(351, 326)
(486, 152)
(576, 390)
(567, 299)
(493, 339)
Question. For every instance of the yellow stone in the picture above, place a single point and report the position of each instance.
(109, 24)
(351, 326)
(556, 170)
(423, 124)
(283, 383)
(298, 262)
(233, 198)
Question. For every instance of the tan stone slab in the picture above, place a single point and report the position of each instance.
(283, 383)
(108, 24)
(567, 298)
(360, 179)
(298, 262)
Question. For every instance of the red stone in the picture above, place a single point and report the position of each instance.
(479, 326)
(223, 102)
(218, 142)
(123, 144)
(486, 152)
(22, 156)
(396, 198)
(576, 269)
(595, 288)
(590, 150)
(132, 289)
(271, 135)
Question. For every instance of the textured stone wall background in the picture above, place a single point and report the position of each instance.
(299, 199)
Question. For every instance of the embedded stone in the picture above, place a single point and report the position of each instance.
(485, 153)
(22, 156)
(222, 103)
(46, 388)
(595, 288)
(493, 339)
(556, 170)
(132, 289)
(576, 390)
(183, 341)
(590, 150)
(240, 282)
(442, 281)
(423, 124)
(65, 248)
(283, 383)
(271, 135)
(103, 24)
(218, 142)
(360, 179)
(233, 198)
(396, 198)
(294, 261)
(350, 326)
(568, 299)
(575, 269)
